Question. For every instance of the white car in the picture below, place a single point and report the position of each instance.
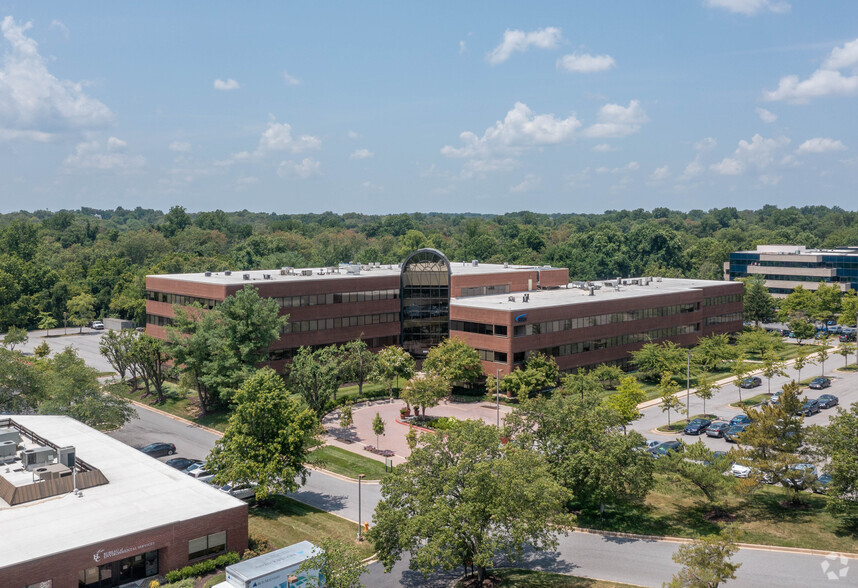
(200, 473)
(98, 325)
(241, 492)
(740, 471)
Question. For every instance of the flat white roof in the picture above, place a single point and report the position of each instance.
(142, 493)
(340, 273)
(575, 295)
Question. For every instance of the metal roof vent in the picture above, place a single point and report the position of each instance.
(208, 274)
(227, 273)
(511, 299)
(245, 277)
(475, 262)
(506, 264)
(266, 276)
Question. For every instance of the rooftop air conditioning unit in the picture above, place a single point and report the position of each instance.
(525, 297)
(9, 434)
(475, 262)
(208, 274)
(307, 272)
(511, 299)
(227, 273)
(283, 272)
(38, 456)
(245, 276)
(266, 276)
(7, 449)
(506, 264)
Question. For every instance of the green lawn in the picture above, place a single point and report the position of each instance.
(676, 509)
(514, 578)
(752, 401)
(791, 351)
(184, 404)
(676, 426)
(348, 464)
(283, 521)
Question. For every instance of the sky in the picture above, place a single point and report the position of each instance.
(388, 107)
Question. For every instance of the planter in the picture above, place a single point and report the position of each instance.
(404, 412)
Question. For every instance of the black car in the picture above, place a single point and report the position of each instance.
(159, 449)
(697, 426)
(717, 429)
(819, 383)
(732, 434)
(664, 448)
(809, 408)
(827, 401)
(751, 382)
(846, 337)
(182, 463)
(740, 419)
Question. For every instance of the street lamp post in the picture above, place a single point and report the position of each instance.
(360, 537)
(497, 395)
(65, 325)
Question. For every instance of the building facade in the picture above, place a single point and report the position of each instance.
(143, 520)
(786, 266)
(506, 312)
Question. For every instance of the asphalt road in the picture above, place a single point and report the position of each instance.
(86, 344)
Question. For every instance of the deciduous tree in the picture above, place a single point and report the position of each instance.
(339, 563)
(455, 360)
(772, 366)
(706, 388)
(15, 336)
(82, 309)
(845, 350)
(464, 498)
(653, 360)
(357, 362)
(314, 375)
(706, 562)
(667, 389)
(377, 427)
(710, 352)
(626, 399)
(425, 391)
(835, 444)
(392, 363)
(268, 438)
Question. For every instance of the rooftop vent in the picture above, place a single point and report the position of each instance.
(511, 299)
(208, 274)
(266, 276)
(245, 276)
(475, 262)
(592, 291)
(525, 297)
(227, 273)
(506, 264)
(307, 272)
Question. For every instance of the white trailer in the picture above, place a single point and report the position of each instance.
(276, 569)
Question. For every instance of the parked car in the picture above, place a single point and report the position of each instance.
(819, 383)
(731, 435)
(775, 399)
(662, 449)
(717, 429)
(159, 449)
(800, 475)
(182, 463)
(98, 325)
(751, 382)
(786, 333)
(835, 329)
(697, 426)
(827, 401)
(740, 419)
(822, 483)
(740, 471)
(242, 492)
(846, 337)
(811, 407)
(201, 474)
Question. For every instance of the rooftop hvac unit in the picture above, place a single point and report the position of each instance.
(38, 456)
(245, 276)
(475, 262)
(208, 274)
(592, 291)
(525, 297)
(227, 273)
(510, 299)
(307, 272)
(266, 276)
(67, 456)
(283, 272)
(9, 434)
(506, 264)
(8, 449)
(51, 472)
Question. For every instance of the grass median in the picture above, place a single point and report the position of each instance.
(512, 578)
(284, 521)
(348, 464)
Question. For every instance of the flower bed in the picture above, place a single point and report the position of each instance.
(381, 452)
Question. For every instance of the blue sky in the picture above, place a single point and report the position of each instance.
(383, 107)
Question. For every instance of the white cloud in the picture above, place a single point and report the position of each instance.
(353, 135)
(604, 148)
(303, 169)
(61, 27)
(520, 128)
(291, 80)
(766, 116)
(825, 81)
(705, 144)
(821, 145)
(480, 167)
(462, 47)
(691, 171)
(660, 174)
(34, 104)
(758, 153)
(90, 155)
(513, 41)
(629, 167)
(229, 84)
(180, 146)
(750, 7)
(617, 121)
(362, 154)
(277, 137)
(529, 183)
(585, 63)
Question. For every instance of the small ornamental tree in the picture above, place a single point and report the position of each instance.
(82, 309)
(377, 427)
(706, 388)
(822, 355)
(710, 352)
(426, 391)
(772, 367)
(845, 350)
(653, 360)
(668, 389)
(608, 374)
(802, 361)
(802, 329)
(625, 402)
(392, 363)
(357, 363)
(47, 322)
(15, 336)
(346, 416)
(338, 562)
(740, 371)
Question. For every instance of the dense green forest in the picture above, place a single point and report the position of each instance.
(100, 257)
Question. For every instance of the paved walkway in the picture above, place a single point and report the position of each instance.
(360, 434)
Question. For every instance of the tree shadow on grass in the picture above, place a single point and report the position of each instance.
(772, 506)
(326, 502)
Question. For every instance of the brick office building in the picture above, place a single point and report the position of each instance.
(141, 519)
(426, 299)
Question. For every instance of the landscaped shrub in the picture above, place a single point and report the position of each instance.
(203, 567)
(443, 423)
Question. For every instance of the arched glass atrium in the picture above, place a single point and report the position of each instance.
(425, 296)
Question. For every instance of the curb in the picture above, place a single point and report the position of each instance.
(176, 418)
(340, 476)
(755, 546)
(415, 426)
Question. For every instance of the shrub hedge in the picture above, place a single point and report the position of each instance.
(203, 567)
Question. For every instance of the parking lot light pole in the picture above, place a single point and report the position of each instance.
(688, 388)
(360, 537)
(497, 395)
(65, 324)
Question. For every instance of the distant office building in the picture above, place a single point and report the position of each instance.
(506, 312)
(786, 266)
(81, 509)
